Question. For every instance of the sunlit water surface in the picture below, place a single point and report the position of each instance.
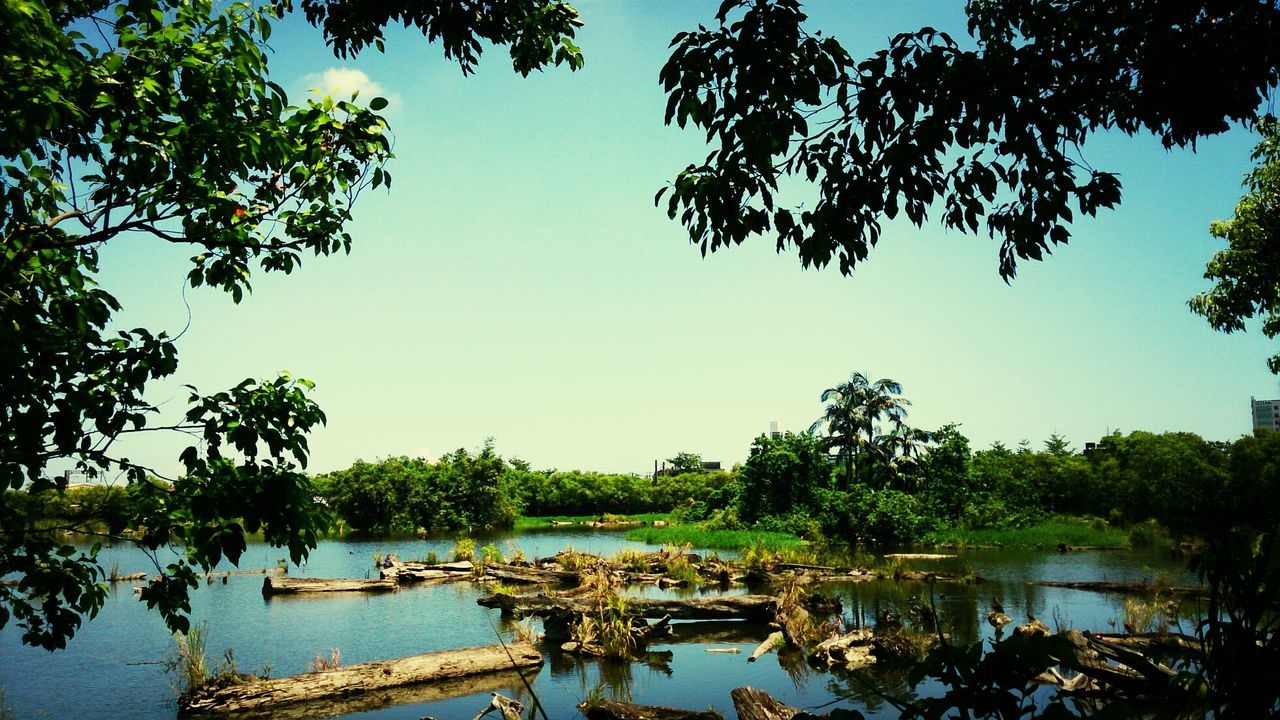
(114, 667)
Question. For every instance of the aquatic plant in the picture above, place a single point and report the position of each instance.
(615, 628)
(491, 553)
(631, 559)
(320, 662)
(464, 549)
(574, 561)
(191, 664)
(679, 568)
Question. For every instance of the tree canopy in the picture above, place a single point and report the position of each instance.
(157, 120)
(986, 134)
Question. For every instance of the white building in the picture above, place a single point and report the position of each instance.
(1266, 414)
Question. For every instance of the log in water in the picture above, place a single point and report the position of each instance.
(345, 682)
(295, 585)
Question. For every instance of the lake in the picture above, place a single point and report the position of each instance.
(114, 667)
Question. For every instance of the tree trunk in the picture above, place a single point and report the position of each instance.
(267, 695)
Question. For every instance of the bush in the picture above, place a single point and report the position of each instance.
(464, 549)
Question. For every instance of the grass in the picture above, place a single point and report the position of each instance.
(679, 568)
(499, 588)
(633, 560)
(574, 561)
(715, 539)
(191, 664)
(464, 549)
(542, 522)
(1048, 535)
(491, 553)
(320, 662)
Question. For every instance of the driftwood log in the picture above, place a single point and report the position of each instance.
(1123, 588)
(770, 643)
(611, 710)
(294, 585)
(530, 575)
(507, 708)
(724, 607)
(344, 682)
(849, 651)
(415, 572)
(753, 704)
(259, 571)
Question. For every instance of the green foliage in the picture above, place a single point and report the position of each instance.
(1045, 535)
(192, 664)
(464, 549)
(633, 560)
(1247, 273)
(912, 130)
(460, 491)
(685, 462)
(574, 561)
(163, 124)
(577, 493)
(491, 553)
(943, 481)
(782, 474)
(679, 567)
(539, 32)
(698, 537)
(865, 425)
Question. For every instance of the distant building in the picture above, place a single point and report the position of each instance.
(1266, 414)
(774, 432)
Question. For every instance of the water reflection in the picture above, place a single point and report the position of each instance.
(109, 654)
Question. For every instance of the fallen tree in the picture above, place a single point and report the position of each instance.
(724, 607)
(612, 710)
(272, 586)
(1125, 588)
(343, 682)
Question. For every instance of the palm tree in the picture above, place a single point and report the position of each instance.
(865, 420)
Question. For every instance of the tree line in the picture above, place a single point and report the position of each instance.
(793, 483)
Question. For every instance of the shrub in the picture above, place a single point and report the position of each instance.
(491, 554)
(464, 549)
(1147, 534)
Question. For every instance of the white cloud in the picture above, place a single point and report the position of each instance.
(341, 83)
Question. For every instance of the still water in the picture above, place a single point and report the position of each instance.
(114, 667)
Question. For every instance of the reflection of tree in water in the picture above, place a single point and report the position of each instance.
(796, 666)
(868, 687)
(960, 608)
(615, 680)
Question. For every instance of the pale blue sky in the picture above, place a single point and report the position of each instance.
(517, 282)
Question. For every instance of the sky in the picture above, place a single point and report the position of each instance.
(517, 282)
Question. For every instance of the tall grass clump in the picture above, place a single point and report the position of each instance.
(679, 567)
(574, 561)
(490, 554)
(464, 549)
(631, 559)
(191, 664)
(320, 662)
